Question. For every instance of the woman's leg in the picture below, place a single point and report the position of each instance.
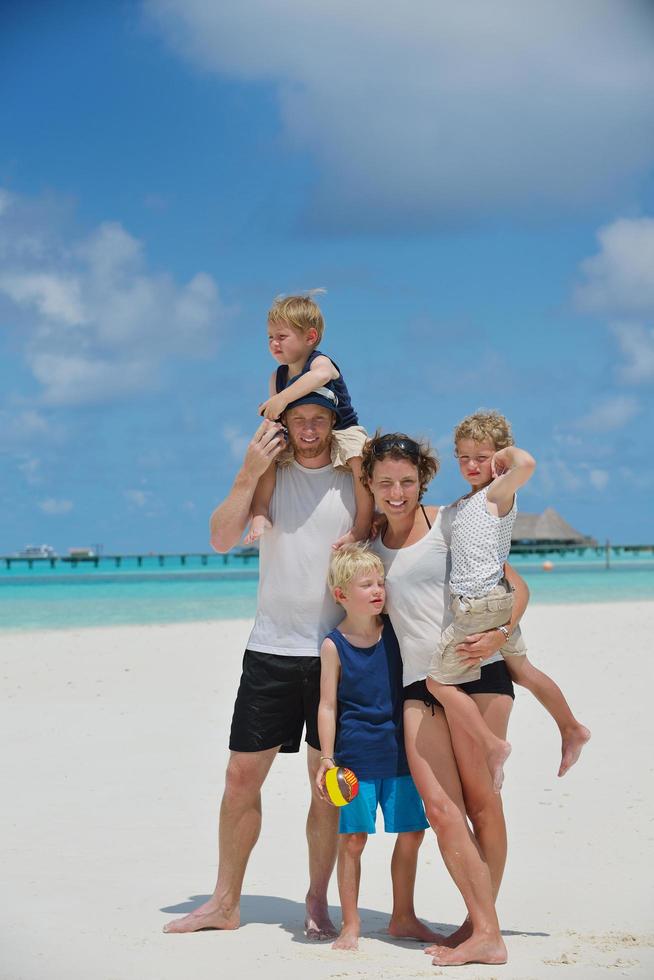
(483, 805)
(435, 773)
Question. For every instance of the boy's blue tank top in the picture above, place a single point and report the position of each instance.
(369, 731)
(347, 415)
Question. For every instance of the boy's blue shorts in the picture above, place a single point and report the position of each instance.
(400, 803)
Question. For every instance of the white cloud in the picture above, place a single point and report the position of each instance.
(423, 114)
(620, 278)
(54, 507)
(236, 440)
(139, 498)
(31, 470)
(637, 344)
(598, 479)
(610, 414)
(52, 295)
(554, 475)
(20, 427)
(97, 323)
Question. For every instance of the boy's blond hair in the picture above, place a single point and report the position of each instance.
(485, 425)
(349, 561)
(299, 312)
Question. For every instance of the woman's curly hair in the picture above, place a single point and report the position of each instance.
(400, 446)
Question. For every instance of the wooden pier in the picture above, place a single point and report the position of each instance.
(244, 554)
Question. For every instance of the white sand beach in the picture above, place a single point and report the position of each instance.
(114, 749)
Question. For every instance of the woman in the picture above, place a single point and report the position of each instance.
(414, 549)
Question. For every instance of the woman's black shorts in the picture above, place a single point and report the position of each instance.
(495, 679)
(276, 698)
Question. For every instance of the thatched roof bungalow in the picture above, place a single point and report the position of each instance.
(548, 528)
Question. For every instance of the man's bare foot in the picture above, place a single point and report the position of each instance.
(258, 527)
(410, 927)
(348, 939)
(495, 760)
(317, 924)
(454, 939)
(211, 915)
(476, 949)
(572, 742)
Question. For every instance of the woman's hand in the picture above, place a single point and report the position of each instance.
(480, 646)
(377, 525)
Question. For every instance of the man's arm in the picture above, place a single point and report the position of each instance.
(230, 518)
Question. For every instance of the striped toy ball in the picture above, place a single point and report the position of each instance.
(341, 785)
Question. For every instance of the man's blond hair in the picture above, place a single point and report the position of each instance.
(349, 561)
(300, 312)
(485, 425)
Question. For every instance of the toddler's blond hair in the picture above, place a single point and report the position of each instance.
(485, 425)
(351, 560)
(299, 312)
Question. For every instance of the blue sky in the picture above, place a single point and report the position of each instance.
(473, 185)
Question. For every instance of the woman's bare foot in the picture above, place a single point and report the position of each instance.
(211, 915)
(454, 939)
(348, 939)
(317, 924)
(476, 949)
(410, 927)
(258, 527)
(572, 742)
(495, 760)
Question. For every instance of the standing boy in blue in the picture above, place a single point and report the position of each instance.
(360, 726)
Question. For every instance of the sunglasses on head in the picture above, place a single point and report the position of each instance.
(384, 445)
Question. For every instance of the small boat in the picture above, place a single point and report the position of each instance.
(37, 551)
(81, 553)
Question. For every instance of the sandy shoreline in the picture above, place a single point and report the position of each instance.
(115, 748)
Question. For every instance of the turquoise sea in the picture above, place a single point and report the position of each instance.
(224, 587)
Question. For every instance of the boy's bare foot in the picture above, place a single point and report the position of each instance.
(258, 527)
(211, 915)
(410, 927)
(348, 939)
(495, 761)
(476, 949)
(454, 939)
(572, 742)
(317, 924)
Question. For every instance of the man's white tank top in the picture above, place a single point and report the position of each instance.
(418, 594)
(309, 510)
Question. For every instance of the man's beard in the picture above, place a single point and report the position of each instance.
(304, 451)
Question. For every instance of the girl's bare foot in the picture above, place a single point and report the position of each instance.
(572, 742)
(348, 939)
(495, 760)
(258, 527)
(211, 915)
(476, 949)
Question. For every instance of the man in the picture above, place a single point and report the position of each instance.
(313, 505)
